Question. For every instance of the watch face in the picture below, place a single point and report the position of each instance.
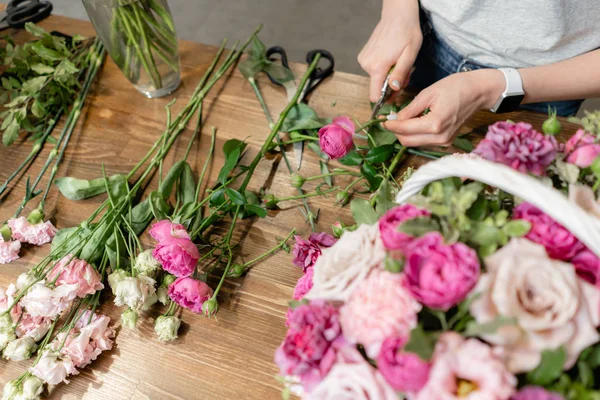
(510, 103)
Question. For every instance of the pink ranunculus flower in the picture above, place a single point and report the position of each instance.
(9, 251)
(582, 148)
(175, 251)
(306, 252)
(311, 343)
(190, 293)
(587, 266)
(405, 372)
(558, 241)
(166, 229)
(536, 393)
(519, 146)
(33, 327)
(470, 363)
(335, 139)
(37, 234)
(378, 309)
(392, 238)
(440, 275)
(551, 305)
(303, 285)
(71, 270)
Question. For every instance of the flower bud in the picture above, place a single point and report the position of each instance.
(297, 180)
(116, 277)
(338, 229)
(129, 318)
(210, 307)
(6, 233)
(342, 198)
(20, 349)
(168, 279)
(270, 201)
(35, 217)
(12, 389)
(6, 337)
(162, 294)
(166, 327)
(6, 323)
(32, 388)
(25, 280)
(236, 271)
(552, 125)
(146, 264)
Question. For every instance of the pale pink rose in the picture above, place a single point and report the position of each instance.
(404, 371)
(53, 368)
(33, 327)
(379, 308)
(335, 139)
(9, 251)
(37, 234)
(392, 238)
(551, 305)
(582, 148)
(468, 360)
(70, 270)
(342, 267)
(303, 285)
(41, 301)
(165, 229)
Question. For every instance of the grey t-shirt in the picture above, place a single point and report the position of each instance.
(517, 33)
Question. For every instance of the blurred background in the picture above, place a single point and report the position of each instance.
(340, 26)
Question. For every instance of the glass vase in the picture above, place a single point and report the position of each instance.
(140, 37)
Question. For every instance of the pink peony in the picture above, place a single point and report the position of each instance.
(9, 251)
(391, 220)
(165, 229)
(536, 393)
(309, 348)
(582, 148)
(587, 266)
(378, 309)
(519, 146)
(335, 139)
(175, 251)
(304, 284)
(469, 367)
(190, 293)
(405, 372)
(37, 234)
(558, 241)
(306, 252)
(438, 275)
(70, 270)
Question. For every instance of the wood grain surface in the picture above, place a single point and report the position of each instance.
(230, 356)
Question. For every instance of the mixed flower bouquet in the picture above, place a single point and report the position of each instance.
(480, 283)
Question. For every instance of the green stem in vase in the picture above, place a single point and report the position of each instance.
(146, 44)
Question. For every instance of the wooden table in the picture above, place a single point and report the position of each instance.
(230, 356)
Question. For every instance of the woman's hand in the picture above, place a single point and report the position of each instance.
(451, 101)
(395, 41)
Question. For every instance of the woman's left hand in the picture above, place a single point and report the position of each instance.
(451, 102)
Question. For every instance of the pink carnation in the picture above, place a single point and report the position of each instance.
(536, 393)
(519, 146)
(175, 251)
(392, 238)
(335, 139)
(438, 275)
(70, 270)
(405, 372)
(558, 241)
(379, 308)
(9, 251)
(303, 285)
(38, 234)
(306, 252)
(310, 345)
(582, 148)
(190, 293)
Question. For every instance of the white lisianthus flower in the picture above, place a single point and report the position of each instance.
(129, 318)
(25, 280)
(146, 264)
(6, 337)
(20, 349)
(166, 328)
(116, 277)
(53, 368)
(162, 293)
(11, 390)
(6, 323)
(137, 293)
(42, 301)
(32, 389)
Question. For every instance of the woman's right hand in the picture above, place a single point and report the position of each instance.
(395, 41)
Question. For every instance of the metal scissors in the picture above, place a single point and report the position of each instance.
(19, 12)
(315, 79)
(386, 92)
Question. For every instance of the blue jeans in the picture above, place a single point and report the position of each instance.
(437, 60)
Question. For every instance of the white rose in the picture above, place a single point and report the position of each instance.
(53, 368)
(41, 301)
(347, 263)
(32, 389)
(6, 337)
(116, 277)
(25, 280)
(146, 264)
(552, 306)
(137, 293)
(20, 349)
(166, 328)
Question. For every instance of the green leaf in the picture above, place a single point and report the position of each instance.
(7, 121)
(37, 109)
(385, 198)
(256, 210)
(258, 48)
(33, 85)
(14, 82)
(36, 30)
(231, 144)
(230, 162)
(475, 329)
(382, 136)
(278, 72)
(42, 69)
(187, 185)
(79, 189)
(16, 101)
(167, 185)
(463, 144)
(550, 367)
(325, 171)
(317, 150)
(236, 197)
(302, 117)
(6, 83)
(379, 154)
(479, 209)
(484, 235)
(419, 226)
(11, 133)
(67, 235)
(65, 69)
(250, 67)
(517, 228)
(217, 197)
(141, 214)
(363, 212)
(45, 53)
(421, 343)
(370, 175)
(351, 159)
(586, 374)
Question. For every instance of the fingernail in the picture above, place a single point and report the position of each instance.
(395, 84)
(392, 117)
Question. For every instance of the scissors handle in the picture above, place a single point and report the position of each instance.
(319, 74)
(20, 12)
(277, 51)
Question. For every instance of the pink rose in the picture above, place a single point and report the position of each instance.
(405, 372)
(335, 139)
(306, 252)
(304, 285)
(175, 251)
(587, 266)
(582, 148)
(558, 241)
(438, 275)
(70, 270)
(519, 146)
(310, 345)
(190, 293)
(392, 238)
(378, 309)
(468, 367)
(37, 234)
(165, 229)
(9, 251)
(536, 393)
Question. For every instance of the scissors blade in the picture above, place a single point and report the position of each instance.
(386, 91)
(298, 150)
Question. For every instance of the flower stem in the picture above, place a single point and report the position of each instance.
(305, 196)
(395, 161)
(370, 123)
(298, 137)
(273, 250)
(227, 245)
(434, 155)
(334, 173)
